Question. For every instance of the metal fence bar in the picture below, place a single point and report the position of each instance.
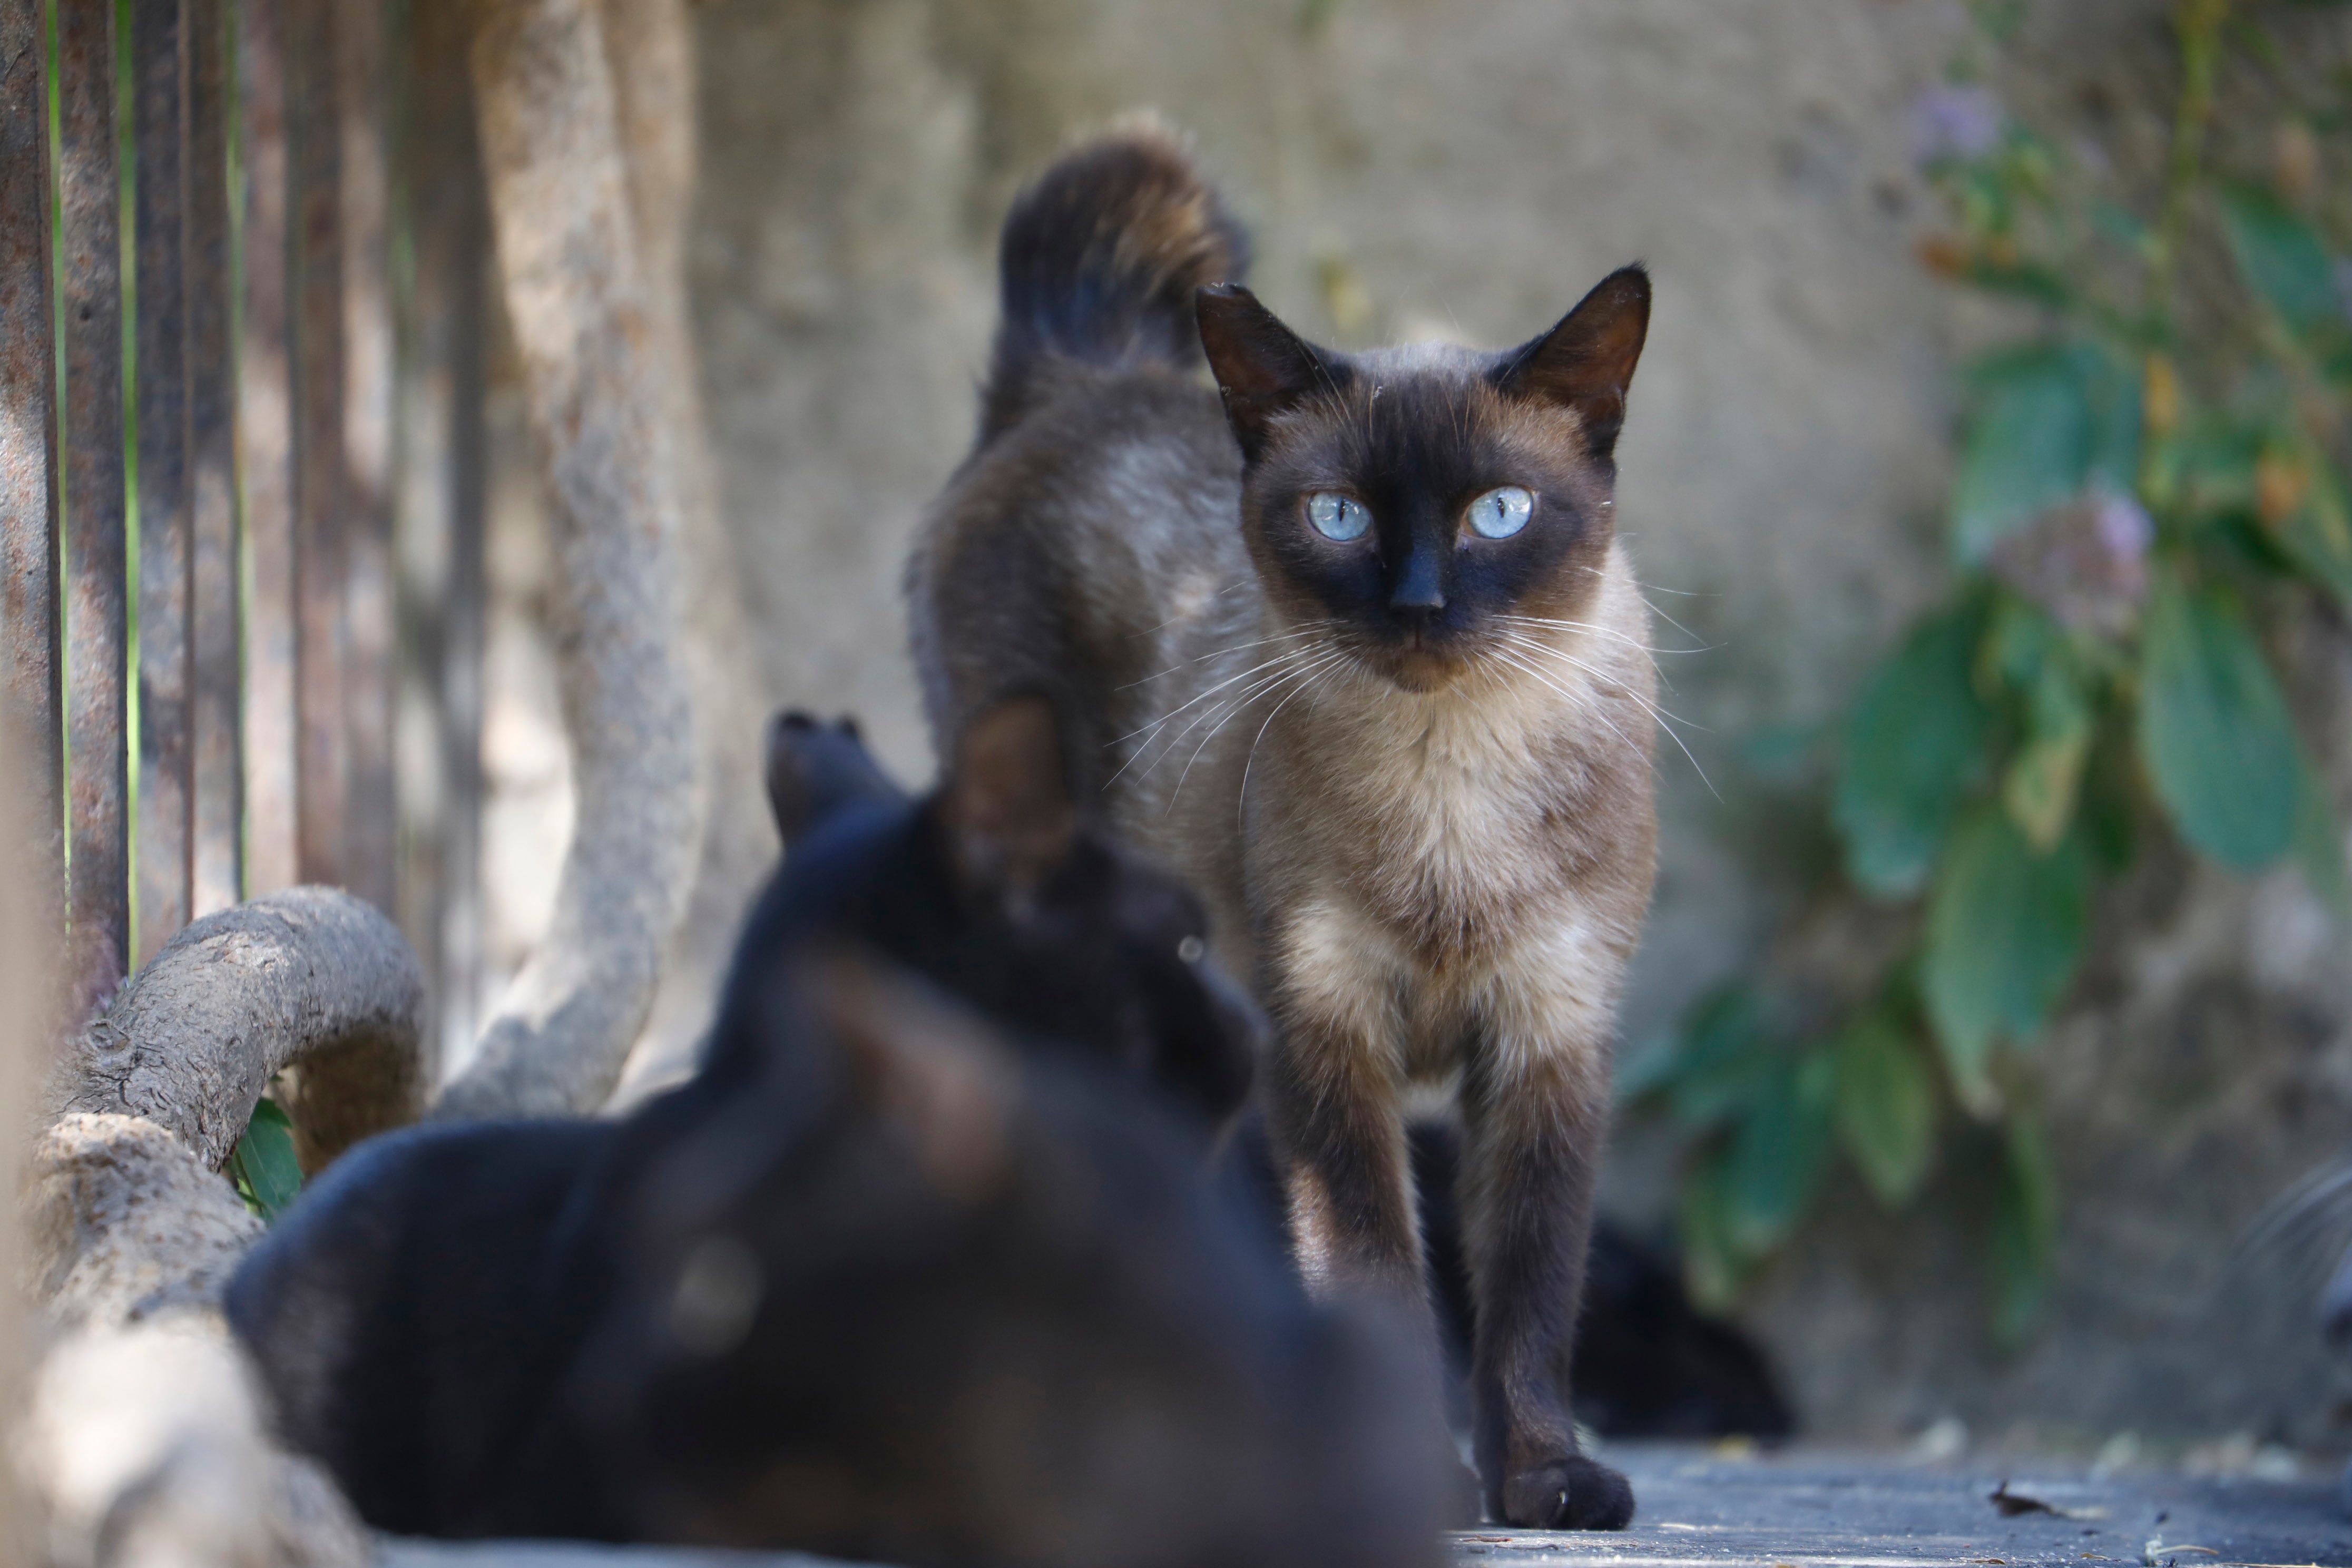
(159, 181)
(216, 826)
(441, 486)
(96, 628)
(28, 476)
(364, 180)
(321, 562)
(264, 411)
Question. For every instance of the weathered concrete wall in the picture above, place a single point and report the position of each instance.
(1412, 169)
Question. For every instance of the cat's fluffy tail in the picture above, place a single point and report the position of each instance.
(1100, 258)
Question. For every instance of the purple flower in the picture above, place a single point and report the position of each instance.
(2124, 527)
(1949, 121)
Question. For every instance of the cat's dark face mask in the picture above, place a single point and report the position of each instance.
(1429, 504)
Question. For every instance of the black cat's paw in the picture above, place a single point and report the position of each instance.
(1572, 1493)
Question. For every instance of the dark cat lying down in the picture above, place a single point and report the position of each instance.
(876, 1283)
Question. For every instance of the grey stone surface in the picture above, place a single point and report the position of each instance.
(1810, 1507)
(1816, 1508)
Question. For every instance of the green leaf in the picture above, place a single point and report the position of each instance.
(2319, 843)
(2106, 811)
(1711, 1270)
(1726, 1056)
(2318, 536)
(1913, 746)
(1885, 1107)
(2029, 446)
(2214, 730)
(2004, 931)
(2280, 256)
(2045, 776)
(2024, 1231)
(263, 1164)
(2111, 385)
(1778, 1154)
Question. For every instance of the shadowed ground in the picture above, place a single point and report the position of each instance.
(1805, 1509)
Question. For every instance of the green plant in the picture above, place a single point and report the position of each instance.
(262, 1164)
(2148, 476)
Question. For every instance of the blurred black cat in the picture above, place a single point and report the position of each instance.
(873, 1283)
(1654, 1365)
(997, 887)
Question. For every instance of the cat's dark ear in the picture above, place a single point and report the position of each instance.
(937, 1075)
(1262, 366)
(1586, 362)
(1007, 804)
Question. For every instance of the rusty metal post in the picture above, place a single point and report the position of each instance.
(370, 826)
(96, 612)
(441, 487)
(265, 404)
(217, 819)
(159, 183)
(321, 562)
(28, 403)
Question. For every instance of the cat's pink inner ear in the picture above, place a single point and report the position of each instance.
(1586, 361)
(1008, 796)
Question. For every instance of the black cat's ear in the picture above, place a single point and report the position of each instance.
(814, 770)
(1262, 366)
(1007, 802)
(1586, 362)
(939, 1075)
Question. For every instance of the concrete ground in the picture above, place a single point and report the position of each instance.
(1807, 1508)
(1810, 1507)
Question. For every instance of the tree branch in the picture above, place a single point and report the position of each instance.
(308, 978)
(568, 258)
(144, 1441)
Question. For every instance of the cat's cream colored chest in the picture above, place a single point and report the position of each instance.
(1441, 822)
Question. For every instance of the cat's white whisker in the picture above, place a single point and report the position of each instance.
(1307, 673)
(1310, 629)
(1249, 694)
(1664, 721)
(1660, 714)
(1241, 797)
(1578, 700)
(1610, 632)
(1211, 691)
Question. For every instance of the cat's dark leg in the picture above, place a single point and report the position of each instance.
(1334, 1111)
(1535, 1121)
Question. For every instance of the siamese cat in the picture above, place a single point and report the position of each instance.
(1350, 642)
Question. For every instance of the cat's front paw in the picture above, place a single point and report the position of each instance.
(1572, 1493)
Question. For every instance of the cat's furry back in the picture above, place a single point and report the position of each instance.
(1409, 769)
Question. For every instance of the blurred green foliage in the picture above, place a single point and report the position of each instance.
(263, 1166)
(2151, 475)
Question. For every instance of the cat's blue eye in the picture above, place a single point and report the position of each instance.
(1339, 517)
(1501, 512)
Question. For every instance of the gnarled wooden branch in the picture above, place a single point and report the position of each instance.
(568, 258)
(144, 1439)
(308, 978)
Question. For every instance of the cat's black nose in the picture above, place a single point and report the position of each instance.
(1417, 587)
